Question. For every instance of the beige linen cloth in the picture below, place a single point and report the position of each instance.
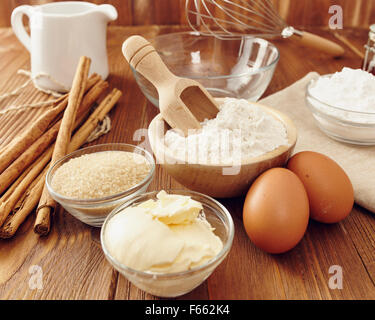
(357, 161)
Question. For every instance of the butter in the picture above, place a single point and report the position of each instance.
(172, 208)
(164, 235)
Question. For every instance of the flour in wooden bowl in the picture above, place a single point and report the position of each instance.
(100, 174)
(240, 131)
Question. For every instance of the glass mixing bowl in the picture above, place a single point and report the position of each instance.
(94, 211)
(178, 283)
(241, 68)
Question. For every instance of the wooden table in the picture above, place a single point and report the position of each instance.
(71, 261)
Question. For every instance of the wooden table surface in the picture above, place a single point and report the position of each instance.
(70, 259)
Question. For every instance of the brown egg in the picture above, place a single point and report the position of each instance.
(328, 187)
(276, 211)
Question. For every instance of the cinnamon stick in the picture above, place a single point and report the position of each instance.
(11, 189)
(20, 203)
(46, 203)
(7, 202)
(22, 162)
(30, 200)
(30, 155)
(92, 80)
(90, 98)
(22, 142)
(98, 115)
(34, 191)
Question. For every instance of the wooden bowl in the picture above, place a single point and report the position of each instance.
(209, 179)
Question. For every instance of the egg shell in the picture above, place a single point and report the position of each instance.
(328, 187)
(276, 211)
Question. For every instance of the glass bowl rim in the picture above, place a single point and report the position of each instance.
(199, 34)
(105, 199)
(310, 95)
(221, 254)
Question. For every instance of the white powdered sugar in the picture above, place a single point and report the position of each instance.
(241, 130)
(350, 89)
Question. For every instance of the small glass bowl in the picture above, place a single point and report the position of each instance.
(94, 211)
(179, 283)
(240, 68)
(340, 124)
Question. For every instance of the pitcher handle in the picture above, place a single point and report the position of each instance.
(18, 27)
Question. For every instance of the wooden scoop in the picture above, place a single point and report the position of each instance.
(183, 103)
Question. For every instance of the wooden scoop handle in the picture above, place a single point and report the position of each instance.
(183, 103)
(143, 57)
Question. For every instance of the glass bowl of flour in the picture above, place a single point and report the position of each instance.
(343, 105)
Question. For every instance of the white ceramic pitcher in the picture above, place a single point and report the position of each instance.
(60, 33)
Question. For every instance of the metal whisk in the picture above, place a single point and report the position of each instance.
(237, 18)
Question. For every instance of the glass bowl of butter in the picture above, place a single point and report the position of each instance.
(167, 243)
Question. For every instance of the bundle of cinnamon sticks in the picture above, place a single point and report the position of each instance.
(25, 161)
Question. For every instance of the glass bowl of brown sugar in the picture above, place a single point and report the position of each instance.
(91, 182)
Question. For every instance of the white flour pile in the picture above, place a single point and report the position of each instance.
(350, 89)
(240, 131)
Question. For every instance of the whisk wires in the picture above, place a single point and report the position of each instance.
(233, 18)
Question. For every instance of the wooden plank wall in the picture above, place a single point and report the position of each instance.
(357, 13)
